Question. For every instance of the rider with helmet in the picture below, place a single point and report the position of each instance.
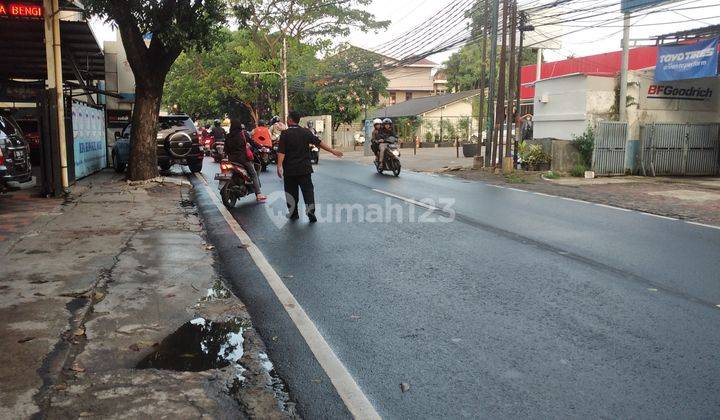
(385, 133)
(261, 134)
(218, 132)
(377, 128)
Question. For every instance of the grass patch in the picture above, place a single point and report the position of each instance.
(578, 170)
(515, 179)
(552, 175)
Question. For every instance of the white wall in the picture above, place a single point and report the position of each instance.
(565, 106)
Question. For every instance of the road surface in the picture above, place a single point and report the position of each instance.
(498, 303)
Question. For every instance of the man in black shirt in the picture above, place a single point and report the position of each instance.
(294, 165)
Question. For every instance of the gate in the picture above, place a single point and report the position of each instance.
(609, 153)
(680, 149)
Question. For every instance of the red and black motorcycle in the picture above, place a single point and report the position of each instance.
(234, 183)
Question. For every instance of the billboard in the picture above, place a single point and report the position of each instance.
(691, 61)
(89, 140)
(629, 6)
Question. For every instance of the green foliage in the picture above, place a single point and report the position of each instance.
(585, 144)
(345, 82)
(515, 179)
(533, 154)
(310, 21)
(428, 136)
(552, 175)
(578, 170)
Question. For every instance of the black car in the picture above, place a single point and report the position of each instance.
(177, 142)
(15, 166)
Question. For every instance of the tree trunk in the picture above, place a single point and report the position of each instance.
(143, 156)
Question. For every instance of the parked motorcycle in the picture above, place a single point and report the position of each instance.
(207, 141)
(392, 158)
(234, 183)
(314, 154)
(263, 157)
(217, 151)
(274, 152)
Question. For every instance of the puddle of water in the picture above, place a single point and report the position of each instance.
(199, 345)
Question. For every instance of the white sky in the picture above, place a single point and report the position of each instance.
(406, 14)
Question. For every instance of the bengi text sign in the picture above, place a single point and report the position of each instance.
(693, 61)
(20, 10)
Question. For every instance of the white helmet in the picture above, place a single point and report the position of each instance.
(377, 121)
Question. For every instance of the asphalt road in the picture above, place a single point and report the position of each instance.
(522, 305)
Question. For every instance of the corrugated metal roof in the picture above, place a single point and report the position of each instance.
(421, 106)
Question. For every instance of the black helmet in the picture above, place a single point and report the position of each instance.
(217, 122)
(387, 121)
(262, 123)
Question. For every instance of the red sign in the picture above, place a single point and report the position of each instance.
(20, 10)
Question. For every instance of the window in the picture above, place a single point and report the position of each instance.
(408, 96)
(393, 98)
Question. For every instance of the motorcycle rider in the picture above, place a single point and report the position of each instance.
(377, 127)
(236, 145)
(218, 132)
(383, 136)
(261, 134)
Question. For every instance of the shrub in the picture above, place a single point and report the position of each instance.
(585, 144)
(578, 170)
(552, 175)
(428, 136)
(536, 155)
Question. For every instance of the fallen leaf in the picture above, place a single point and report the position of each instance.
(77, 367)
(170, 295)
(404, 387)
(317, 381)
(209, 247)
(86, 414)
(26, 339)
(98, 296)
(274, 338)
(79, 332)
(60, 387)
(355, 317)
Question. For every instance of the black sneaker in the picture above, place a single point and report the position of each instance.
(312, 217)
(293, 216)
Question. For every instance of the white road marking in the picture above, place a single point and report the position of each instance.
(516, 189)
(407, 200)
(607, 206)
(659, 216)
(351, 394)
(703, 225)
(545, 195)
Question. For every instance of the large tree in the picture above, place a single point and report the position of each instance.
(210, 84)
(346, 81)
(155, 33)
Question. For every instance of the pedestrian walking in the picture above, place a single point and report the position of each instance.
(295, 168)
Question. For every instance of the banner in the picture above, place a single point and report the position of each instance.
(681, 62)
(88, 139)
(683, 95)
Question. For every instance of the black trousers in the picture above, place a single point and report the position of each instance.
(293, 183)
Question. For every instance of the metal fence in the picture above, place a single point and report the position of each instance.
(680, 149)
(609, 153)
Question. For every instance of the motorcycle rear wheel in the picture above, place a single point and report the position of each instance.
(228, 198)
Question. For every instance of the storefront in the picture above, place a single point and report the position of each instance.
(39, 83)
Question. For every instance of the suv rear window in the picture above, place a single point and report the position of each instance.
(172, 122)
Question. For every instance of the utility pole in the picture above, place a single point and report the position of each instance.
(512, 27)
(55, 79)
(481, 111)
(622, 106)
(524, 27)
(500, 119)
(286, 106)
(489, 148)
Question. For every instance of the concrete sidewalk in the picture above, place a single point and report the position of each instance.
(112, 308)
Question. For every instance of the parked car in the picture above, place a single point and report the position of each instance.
(15, 166)
(178, 142)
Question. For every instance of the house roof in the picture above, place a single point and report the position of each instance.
(420, 106)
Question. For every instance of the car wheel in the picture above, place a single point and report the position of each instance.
(196, 167)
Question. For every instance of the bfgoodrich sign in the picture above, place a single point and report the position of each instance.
(694, 94)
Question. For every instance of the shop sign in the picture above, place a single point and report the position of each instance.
(20, 10)
(682, 62)
(695, 94)
(628, 6)
(118, 118)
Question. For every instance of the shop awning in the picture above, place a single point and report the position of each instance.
(22, 50)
